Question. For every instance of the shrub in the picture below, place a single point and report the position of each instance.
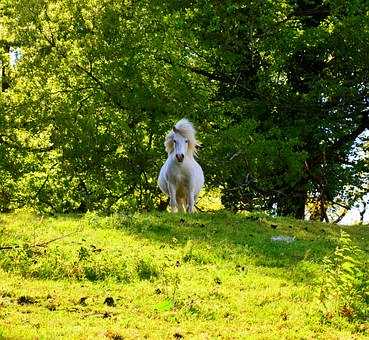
(345, 285)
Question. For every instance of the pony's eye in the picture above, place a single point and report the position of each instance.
(186, 141)
(174, 141)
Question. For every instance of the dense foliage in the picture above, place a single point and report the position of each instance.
(277, 89)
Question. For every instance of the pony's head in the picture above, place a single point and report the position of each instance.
(181, 140)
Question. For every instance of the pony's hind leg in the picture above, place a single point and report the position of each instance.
(181, 205)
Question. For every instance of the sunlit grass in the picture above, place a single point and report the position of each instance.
(167, 276)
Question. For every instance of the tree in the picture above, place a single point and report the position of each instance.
(292, 89)
(90, 90)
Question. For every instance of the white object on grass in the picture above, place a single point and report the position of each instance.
(287, 239)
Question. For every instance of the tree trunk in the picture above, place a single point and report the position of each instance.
(293, 203)
(3, 70)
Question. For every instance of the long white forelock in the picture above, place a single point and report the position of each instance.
(186, 129)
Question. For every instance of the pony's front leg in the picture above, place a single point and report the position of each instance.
(191, 202)
(173, 200)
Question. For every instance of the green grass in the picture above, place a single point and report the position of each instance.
(169, 276)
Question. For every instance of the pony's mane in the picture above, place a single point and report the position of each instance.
(186, 129)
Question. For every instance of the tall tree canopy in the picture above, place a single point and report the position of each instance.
(278, 90)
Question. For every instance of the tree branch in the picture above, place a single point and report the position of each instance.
(331, 150)
(42, 244)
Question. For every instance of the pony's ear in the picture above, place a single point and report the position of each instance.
(175, 129)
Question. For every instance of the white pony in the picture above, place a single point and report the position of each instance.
(181, 177)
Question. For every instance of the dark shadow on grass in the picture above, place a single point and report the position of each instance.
(226, 236)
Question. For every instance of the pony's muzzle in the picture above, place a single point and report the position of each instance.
(180, 157)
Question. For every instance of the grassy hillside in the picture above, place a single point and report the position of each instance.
(179, 276)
